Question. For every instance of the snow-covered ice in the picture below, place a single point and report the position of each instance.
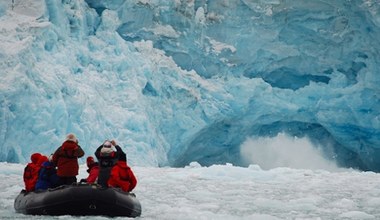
(230, 192)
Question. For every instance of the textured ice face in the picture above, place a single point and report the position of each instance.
(181, 81)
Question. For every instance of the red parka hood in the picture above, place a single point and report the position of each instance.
(35, 157)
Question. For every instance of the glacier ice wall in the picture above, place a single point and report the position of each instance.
(181, 81)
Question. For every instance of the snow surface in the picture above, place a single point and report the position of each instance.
(229, 192)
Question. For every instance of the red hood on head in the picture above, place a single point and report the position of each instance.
(90, 160)
(35, 157)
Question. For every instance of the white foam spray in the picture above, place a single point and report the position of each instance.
(285, 151)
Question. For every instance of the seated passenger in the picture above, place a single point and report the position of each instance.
(47, 177)
(93, 171)
(122, 176)
(31, 172)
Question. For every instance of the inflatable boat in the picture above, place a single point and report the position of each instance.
(78, 200)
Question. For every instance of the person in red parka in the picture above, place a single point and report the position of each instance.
(122, 175)
(93, 171)
(66, 160)
(31, 172)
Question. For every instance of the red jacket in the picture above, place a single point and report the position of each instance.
(31, 172)
(66, 159)
(122, 176)
(93, 173)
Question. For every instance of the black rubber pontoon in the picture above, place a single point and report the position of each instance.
(78, 200)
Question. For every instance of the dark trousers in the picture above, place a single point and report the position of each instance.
(104, 175)
(67, 180)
